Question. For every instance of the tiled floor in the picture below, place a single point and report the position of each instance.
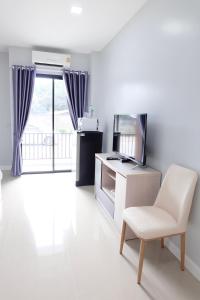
(56, 244)
(45, 165)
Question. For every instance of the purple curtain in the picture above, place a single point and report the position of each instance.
(23, 79)
(76, 84)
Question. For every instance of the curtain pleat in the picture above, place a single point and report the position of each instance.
(23, 79)
(76, 83)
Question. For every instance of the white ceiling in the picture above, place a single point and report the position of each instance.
(49, 24)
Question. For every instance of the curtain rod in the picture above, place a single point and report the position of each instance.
(74, 71)
(35, 67)
(22, 66)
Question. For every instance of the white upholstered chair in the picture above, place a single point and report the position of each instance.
(167, 217)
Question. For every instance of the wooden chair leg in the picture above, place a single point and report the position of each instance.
(162, 243)
(122, 237)
(182, 250)
(141, 259)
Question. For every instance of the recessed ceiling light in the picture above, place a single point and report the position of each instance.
(76, 10)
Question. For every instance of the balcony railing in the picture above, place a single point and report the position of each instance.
(38, 146)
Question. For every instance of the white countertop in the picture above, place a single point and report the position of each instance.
(125, 169)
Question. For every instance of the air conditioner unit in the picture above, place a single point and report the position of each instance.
(50, 59)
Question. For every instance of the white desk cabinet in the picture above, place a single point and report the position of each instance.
(121, 185)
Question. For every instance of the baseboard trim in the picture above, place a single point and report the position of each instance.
(189, 264)
(5, 168)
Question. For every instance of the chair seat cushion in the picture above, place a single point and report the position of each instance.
(150, 222)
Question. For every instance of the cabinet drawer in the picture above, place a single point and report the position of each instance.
(105, 201)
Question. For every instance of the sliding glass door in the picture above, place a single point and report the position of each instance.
(64, 135)
(48, 141)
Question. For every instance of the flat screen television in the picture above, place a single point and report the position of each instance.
(129, 137)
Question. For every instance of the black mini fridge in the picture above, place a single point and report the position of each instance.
(88, 143)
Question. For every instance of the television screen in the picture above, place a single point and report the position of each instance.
(129, 136)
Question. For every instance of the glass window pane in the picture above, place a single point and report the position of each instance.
(64, 134)
(37, 139)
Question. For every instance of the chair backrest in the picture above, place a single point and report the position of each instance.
(176, 193)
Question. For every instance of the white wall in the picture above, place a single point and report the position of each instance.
(95, 83)
(5, 122)
(153, 66)
(20, 56)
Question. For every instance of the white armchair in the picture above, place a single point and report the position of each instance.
(168, 216)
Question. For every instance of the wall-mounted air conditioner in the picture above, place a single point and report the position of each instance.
(49, 59)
